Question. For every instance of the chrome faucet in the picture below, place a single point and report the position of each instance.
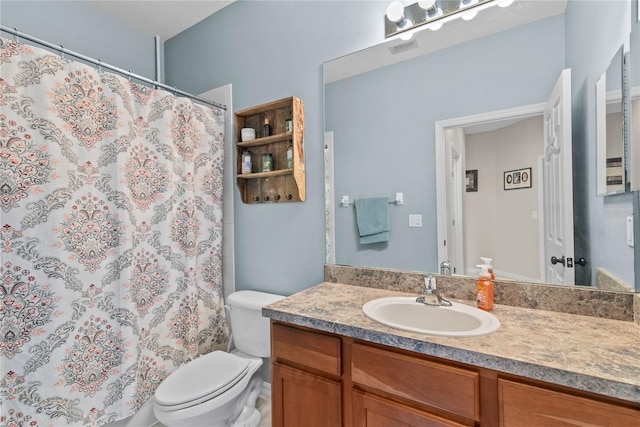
(445, 268)
(431, 295)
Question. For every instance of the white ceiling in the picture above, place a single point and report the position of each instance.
(164, 18)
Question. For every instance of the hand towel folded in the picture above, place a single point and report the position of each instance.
(372, 217)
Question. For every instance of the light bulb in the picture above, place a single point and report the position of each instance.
(395, 12)
(505, 3)
(406, 36)
(435, 26)
(468, 16)
(427, 4)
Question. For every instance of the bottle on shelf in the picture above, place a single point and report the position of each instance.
(290, 155)
(288, 125)
(267, 162)
(266, 128)
(246, 161)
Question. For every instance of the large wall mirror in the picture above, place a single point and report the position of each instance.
(476, 99)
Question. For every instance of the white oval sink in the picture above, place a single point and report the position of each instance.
(405, 313)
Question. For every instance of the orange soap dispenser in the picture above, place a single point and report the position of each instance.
(484, 288)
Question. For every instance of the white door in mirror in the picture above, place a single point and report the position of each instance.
(558, 184)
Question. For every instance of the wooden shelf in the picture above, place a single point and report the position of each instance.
(267, 140)
(283, 184)
(256, 175)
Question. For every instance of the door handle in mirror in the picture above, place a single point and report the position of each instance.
(555, 260)
(582, 262)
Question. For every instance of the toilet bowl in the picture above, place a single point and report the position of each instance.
(220, 388)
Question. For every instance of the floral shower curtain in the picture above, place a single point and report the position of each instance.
(110, 234)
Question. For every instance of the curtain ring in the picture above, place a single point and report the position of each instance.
(15, 35)
(129, 76)
(61, 52)
(99, 65)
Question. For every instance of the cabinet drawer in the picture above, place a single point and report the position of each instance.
(451, 389)
(522, 404)
(314, 350)
(373, 411)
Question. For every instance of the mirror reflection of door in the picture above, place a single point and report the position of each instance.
(455, 183)
(558, 185)
(505, 224)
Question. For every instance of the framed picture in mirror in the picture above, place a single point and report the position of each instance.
(614, 171)
(519, 178)
(472, 180)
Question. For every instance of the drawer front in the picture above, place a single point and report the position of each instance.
(373, 411)
(451, 389)
(311, 349)
(522, 404)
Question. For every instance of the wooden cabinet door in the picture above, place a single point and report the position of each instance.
(302, 399)
(372, 411)
(524, 405)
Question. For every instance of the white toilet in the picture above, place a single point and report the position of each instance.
(219, 388)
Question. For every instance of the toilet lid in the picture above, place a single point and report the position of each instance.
(204, 377)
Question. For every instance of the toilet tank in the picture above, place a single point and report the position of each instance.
(251, 333)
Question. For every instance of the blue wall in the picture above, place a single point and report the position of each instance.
(272, 50)
(83, 29)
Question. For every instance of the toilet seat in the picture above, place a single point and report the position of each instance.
(196, 382)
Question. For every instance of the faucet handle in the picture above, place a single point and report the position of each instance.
(429, 283)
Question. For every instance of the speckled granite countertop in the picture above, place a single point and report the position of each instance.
(586, 353)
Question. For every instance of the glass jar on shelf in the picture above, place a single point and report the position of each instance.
(267, 162)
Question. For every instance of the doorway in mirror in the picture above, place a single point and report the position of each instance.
(522, 227)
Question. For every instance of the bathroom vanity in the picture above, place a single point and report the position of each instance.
(333, 366)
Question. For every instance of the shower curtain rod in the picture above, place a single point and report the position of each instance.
(99, 63)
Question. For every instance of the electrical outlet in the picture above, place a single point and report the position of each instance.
(415, 220)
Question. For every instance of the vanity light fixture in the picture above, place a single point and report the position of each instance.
(432, 14)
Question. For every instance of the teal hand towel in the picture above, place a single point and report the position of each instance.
(372, 217)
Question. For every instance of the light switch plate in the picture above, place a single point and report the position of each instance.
(630, 231)
(415, 220)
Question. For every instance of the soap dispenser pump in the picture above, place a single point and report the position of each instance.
(487, 261)
(484, 289)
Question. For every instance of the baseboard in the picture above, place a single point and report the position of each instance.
(266, 390)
